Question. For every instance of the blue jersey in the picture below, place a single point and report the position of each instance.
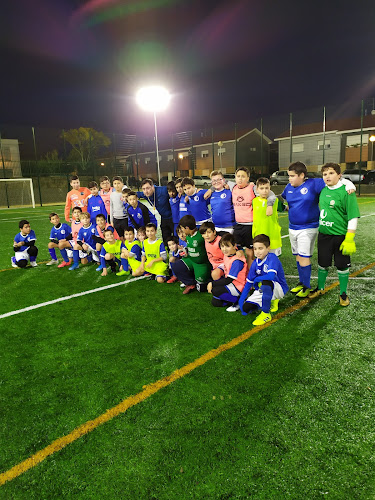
(222, 208)
(303, 203)
(135, 251)
(270, 267)
(96, 206)
(138, 216)
(60, 232)
(159, 199)
(199, 207)
(28, 237)
(86, 234)
(101, 233)
(184, 207)
(175, 208)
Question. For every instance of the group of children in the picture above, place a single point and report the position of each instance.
(227, 239)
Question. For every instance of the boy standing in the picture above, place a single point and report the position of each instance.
(118, 218)
(105, 194)
(76, 197)
(221, 204)
(339, 215)
(138, 214)
(24, 246)
(95, 204)
(198, 205)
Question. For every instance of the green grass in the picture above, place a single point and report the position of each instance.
(286, 414)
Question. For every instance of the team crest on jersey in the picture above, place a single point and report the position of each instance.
(331, 203)
(139, 216)
(304, 190)
(240, 199)
(196, 198)
(223, 195)
(195, 243)
(265, 268)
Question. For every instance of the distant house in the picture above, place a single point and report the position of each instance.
(10, 165)
(341, 143)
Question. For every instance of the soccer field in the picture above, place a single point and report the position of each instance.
(122, 388)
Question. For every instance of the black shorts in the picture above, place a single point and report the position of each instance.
(121, 225)
(243, 235)
(328, 247)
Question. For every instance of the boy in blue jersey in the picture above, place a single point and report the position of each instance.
(24, 246)
(198, 205)
(95, 204)
(58, 232)
(266, 281)
(174, 201)
(85, 241)
(176, 251)
(184, 208)
(131, 254)
(221, 204)
(138, 214)
(302, 196)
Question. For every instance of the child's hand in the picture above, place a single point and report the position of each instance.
(269, 211)
(149, 263)
(209, 287)
(105, 272)
(186, 199)
(207, 194)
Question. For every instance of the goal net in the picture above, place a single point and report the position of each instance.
(16, 193)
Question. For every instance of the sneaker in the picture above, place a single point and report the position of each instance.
(297, 288)
(13, 262)
(262, 318)
(274, 305)
(33, 263)
(63, 264)
(182, 285)
(233, 308)
(304, 292)
(315, 293)
(123, 273)
(173, 279)
(99, 268)
(188, 289)
(74, 267)
(344, 300)
(146, 274)
(52, 262)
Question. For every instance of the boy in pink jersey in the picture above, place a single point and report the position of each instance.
(214, 252)
(76, 197)
(105, 193)
(226, 291)
(69, 244)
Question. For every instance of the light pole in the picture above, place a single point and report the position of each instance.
(154, 99)
(372, 140)
(220, 143)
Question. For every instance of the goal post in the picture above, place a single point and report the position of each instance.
(17, 192)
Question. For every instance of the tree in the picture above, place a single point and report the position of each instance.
(85, 144)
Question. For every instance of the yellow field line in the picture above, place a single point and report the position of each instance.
(13, 268)
(148, 391)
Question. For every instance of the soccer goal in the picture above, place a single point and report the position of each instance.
(16, 193)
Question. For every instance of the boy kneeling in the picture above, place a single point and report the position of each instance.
(266, 280)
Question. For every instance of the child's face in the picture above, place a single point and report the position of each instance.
(209, 235)
(242, 179)
(109, 237)
(85, 220)
(55, 220)
(100, 222)
(129, 236)
(260, 250)
(77, 215)
(218, 182)
(132, 200)
(172, 246)
(94, 191)
(76, 184)
(105, 185)
(264, 190)
(141, 235)
(181, 234)
(295, 179)
(189, 189)
(26, 229)
(179, 189)
(172, 194)
(331, 177)
(118, 185)
(151, 233)
(228, 249)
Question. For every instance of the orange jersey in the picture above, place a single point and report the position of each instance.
(214, 253)
(76, 198)
(76, 226)
(106, 198)
(239, 280)
(242, 202)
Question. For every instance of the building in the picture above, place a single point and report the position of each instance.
(10, 165)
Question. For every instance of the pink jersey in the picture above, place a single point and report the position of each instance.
(242, 202)
(100, 232)
(240, 280)
(106, 198)
(76, 198)
(214, 253)
(76, 226)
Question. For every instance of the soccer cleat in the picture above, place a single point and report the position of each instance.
(297, 288)
(304, 292)
(344, 300)
(123, 273)
(99, 268)
(182, 285)
(233, 308)
(188, 289)
(74, 267)
(262, 318)
(52, 262)
(63, 264)
(274, 305)
(13, 262)
(173, 279)
(315, 293)
(33, 263)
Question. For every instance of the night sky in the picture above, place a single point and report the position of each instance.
(69, 63)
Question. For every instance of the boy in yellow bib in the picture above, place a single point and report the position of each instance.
(154, 256)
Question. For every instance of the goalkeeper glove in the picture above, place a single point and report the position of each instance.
(348, 246)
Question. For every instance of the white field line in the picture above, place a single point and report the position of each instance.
(67, 297)
(335, 277)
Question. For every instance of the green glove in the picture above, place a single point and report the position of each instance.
(348, 246)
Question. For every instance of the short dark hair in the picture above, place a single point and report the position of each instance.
(151, 224)
(207, 225)
(147, 181)
(188, 181)
(298, 167)
(227, 239)
(22, 223)
(336, 167)
(173, 238)
(77, 208)
(117, 178)
(141, 229)
(104, 178)
(52, 214)
(108, 230)
(92, 184)
(74, 178)
(188, 221)
(131, 193)
(100, 216)
(243, 169)
(130, 229)
(262, 180)
(171, 186)
(262, 238)
(178, 180)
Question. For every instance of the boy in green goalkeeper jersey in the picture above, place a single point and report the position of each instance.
(338, 219)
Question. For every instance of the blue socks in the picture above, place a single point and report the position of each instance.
(125, 264)
(52, 252)
(305, 275)
(76, 256)
(266, 299)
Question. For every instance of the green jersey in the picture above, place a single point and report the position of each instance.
(196, 248)
(337, 207)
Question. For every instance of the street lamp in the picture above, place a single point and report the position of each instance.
(220, 143)
(154, 99)
(372, 140)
